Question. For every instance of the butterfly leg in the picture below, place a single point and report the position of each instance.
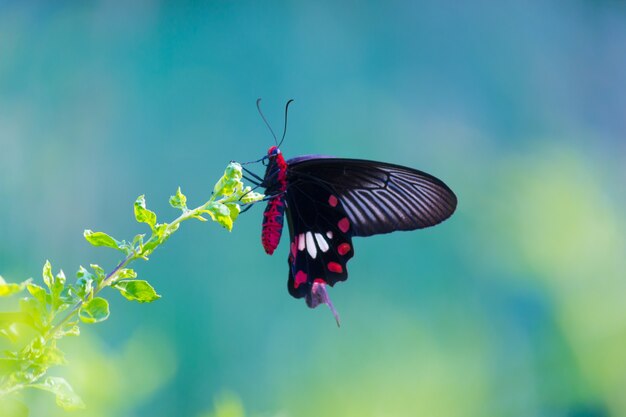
(257, 180)
(266, 198)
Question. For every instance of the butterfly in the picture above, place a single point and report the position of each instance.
(328, 201)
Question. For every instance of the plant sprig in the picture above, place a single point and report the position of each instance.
(56, 309)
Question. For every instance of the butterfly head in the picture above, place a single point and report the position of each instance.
(273, 151)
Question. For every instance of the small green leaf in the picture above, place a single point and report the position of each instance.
(160, 230)
(84, 282)
(230, 181)
(94, 310)
(100, 239)
(39, 293)
(127, 273)
(138, 239)
(142, 214)
(7, 289)
(52, 355)
(9, 365)
(59, 284)
(35, 310)
(47, 274)
(100, 275)
(65, 395)
(69, 329)
(138, 290)
(179, 200)
(248, 196)
(221, 214)
(234, 210)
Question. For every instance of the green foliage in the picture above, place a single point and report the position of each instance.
(94, 310)
(55, 310)
(137, 290)
(65, 395)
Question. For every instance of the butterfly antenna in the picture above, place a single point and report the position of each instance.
(285, 128)
(258, 106)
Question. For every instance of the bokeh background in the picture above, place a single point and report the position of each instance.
(514, 307)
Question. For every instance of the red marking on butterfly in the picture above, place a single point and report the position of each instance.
(344, 224)
(334, 267)
(301, 278)
(343, 249)
(332, 200)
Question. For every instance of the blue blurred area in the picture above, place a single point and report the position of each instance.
(514, 307)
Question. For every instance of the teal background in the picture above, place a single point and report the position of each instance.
(513, 307)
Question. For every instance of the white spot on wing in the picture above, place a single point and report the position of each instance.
(329, 234)
(301, 242)
(310, 245)
(321, 242)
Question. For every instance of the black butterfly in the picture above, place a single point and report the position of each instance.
(329, 200)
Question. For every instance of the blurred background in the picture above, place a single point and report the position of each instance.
(513, 307)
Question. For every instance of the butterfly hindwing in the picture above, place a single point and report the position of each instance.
(321, 238)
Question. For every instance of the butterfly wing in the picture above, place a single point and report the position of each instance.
(321, 239)
(330, 200)
(378, 197)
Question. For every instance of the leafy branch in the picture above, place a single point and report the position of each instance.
(53, 311)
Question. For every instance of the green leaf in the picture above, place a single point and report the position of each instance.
(142, 214)
(47, 274)
(84, 283)
(39, 293)
(247, 196)
(127, 273)
(234, 210)
(52, 355)
(221, 214)
(94, 310)
(179, 200)
(100, 275)
(9, 365)
(101, 239)
(59, 284)
(230, 181)
(7, 289)
(65, 395)
(35, 310)
(138, 290)
(69, 329)
(138, 239)
(10, 321)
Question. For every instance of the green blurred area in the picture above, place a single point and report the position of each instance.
(513, 307)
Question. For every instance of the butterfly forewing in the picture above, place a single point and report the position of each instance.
(377, 197)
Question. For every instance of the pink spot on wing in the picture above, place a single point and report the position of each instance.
(319, 281)
(344, 224)
(343, 249)
(335, 267)
(332, 200)
(300, 278)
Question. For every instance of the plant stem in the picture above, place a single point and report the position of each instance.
(106, 282)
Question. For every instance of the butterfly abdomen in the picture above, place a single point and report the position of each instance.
(273, 224)
(276, 185)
